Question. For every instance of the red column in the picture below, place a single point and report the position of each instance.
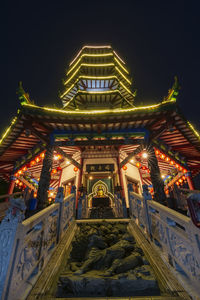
(11, 187)
(189, 181)
(79, 181)
(120, 177)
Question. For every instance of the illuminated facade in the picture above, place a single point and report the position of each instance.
(100, 141)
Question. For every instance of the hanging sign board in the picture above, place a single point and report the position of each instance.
(100, 168)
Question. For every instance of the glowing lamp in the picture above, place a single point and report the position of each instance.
(183, 177)
(124, 168)
(144, 154)
(35, 195)
(54, 171)
(167, 192)
(21, 183)
(75, 169)
(24, 169)
(172, 162)
(138, 165)
(180, 168)
(177, 183)
(167, 159)
(184, 171)
(180, 180)
(177, 166)
(20, 172)
(17, 181)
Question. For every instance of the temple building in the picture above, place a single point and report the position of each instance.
(100, 141)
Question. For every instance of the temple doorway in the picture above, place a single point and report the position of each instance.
(100, 192)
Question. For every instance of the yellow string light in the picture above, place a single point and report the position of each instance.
(8, 129)
(119, 57)
(88, 55)
(120, 65)
(87, 47)
(122, 75)
(98, 65)
(96, 78)
(101, 111)
(193, 129)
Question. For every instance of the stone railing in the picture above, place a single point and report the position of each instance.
(173, 234)
(27, 245)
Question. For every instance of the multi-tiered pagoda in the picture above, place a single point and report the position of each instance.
(99, 141)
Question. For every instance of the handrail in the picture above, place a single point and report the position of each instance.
(10, 195)
(189, 191)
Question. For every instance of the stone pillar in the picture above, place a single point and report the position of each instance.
(45, 178)
(157, 182)
(189, 181)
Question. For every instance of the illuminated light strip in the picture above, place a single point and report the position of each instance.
(97, 65)
(118, 57)
(120, 65)
(8, 129)
(105, 111)
(100, 93)
(87, 47)
(88, 55)
(193, 129)
(126, 88)
(96, 78)
(122, 75)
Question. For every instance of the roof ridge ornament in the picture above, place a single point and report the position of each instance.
(22, 95)
(173, 92)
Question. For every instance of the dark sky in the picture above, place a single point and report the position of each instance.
(157, 39)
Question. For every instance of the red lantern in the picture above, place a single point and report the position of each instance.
(42, 155)
(75, 169)
(138, 164)
(124, 168)
(38, 159)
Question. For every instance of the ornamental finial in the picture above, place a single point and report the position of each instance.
(22, 95)
(173, 92)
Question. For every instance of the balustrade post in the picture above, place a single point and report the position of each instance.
(59, 199)
(146, 196)
(130, 189)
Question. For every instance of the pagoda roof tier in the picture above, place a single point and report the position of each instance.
(95, 70)
(34, 126)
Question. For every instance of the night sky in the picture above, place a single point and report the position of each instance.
(157, 40)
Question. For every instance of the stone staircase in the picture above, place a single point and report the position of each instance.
(105, 260)
(101, 213)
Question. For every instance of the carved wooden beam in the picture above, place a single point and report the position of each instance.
(135, 152)
(67, 156)
(46, 140)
